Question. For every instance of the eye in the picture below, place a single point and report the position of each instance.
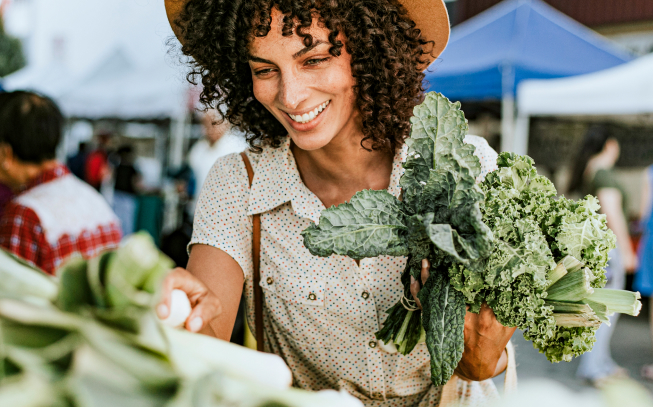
(264, 72)
(316, 61)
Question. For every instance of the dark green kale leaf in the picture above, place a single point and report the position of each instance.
(443, 318)
(436, 142)
(370, 225)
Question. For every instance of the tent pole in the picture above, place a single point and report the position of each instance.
(178, 128)
(521, 134)
(507, 107)
(507, 122)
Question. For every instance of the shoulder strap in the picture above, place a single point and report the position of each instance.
(256, 257)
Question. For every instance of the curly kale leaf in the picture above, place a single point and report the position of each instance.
(562, 344)
(533, 229)
(371, 224)
(582, 233)
(443, 319)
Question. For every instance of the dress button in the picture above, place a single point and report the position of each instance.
(365, 295)
(372, 344)
(312, 297)
(270, 280)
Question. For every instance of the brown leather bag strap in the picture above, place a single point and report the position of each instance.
(256, 257)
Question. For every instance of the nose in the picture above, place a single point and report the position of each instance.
(293, 90)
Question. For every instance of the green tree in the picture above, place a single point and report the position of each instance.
(11, 53)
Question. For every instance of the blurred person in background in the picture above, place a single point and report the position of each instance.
(593, 174)
(643, 281)
(96, 168)
(54, 215)
(125, 201)
(6, 195)
(219, 139)
(77, 162)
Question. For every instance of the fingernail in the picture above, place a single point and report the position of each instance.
(162, 310)
(412, 280)
(195, 324)
(425, 263)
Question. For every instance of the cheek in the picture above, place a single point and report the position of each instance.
(264, 91)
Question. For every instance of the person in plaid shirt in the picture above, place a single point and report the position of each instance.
(54, 215)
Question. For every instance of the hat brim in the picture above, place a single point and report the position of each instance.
(430, 16)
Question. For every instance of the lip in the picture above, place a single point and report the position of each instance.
(306, 126)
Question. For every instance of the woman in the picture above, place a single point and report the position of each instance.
(593, 174)
(643, 281)
(324, 91)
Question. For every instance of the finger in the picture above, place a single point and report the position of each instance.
(414, 290)
(163, 309)
(207, 309)
(426, 273)
(179, 279)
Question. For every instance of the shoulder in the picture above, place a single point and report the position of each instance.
(16, 214)
(19, 224)
(604, 179)
(486, 154)
(67, 206)
(229, 170)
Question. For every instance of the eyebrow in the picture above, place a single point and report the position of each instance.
(295, 55)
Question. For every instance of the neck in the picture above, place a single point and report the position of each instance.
(342, 168)
(32, 171)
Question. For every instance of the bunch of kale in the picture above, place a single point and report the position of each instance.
(546, 269)
(538, 261)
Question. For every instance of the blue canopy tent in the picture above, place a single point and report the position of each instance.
(490, 54)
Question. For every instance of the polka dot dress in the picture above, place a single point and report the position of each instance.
(320, 314)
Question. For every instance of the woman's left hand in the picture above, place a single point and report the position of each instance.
(485, 339)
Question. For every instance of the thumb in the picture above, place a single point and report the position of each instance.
(206, 309)
(169, 284)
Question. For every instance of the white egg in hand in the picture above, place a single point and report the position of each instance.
(179, 309)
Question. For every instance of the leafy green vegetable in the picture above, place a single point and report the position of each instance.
(95, 341)
(444, 314)
(371, 224)
(534, 258)
(547, 250)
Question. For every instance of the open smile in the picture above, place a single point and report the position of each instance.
(310, 116)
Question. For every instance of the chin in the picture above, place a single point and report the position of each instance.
(310, 142)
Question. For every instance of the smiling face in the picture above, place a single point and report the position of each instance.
(307, 89)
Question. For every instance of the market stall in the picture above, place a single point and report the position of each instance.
(623, 90)
(490, 54)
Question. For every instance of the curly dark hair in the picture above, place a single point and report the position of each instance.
(387, 56)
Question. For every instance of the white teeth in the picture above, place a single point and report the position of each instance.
(310, 116)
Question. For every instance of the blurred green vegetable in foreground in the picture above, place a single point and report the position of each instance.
(91, 338)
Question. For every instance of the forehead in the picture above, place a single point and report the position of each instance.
(292, 43)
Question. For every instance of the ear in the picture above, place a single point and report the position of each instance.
(6, 155)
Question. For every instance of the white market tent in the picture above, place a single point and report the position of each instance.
(103, 59)
(623, 90)
(119, 88)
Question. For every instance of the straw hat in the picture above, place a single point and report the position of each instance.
(430, 16)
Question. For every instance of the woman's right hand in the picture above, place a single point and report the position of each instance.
(205, 305)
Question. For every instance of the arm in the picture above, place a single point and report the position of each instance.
(611, 205)
(214, 285)
(21, 234)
